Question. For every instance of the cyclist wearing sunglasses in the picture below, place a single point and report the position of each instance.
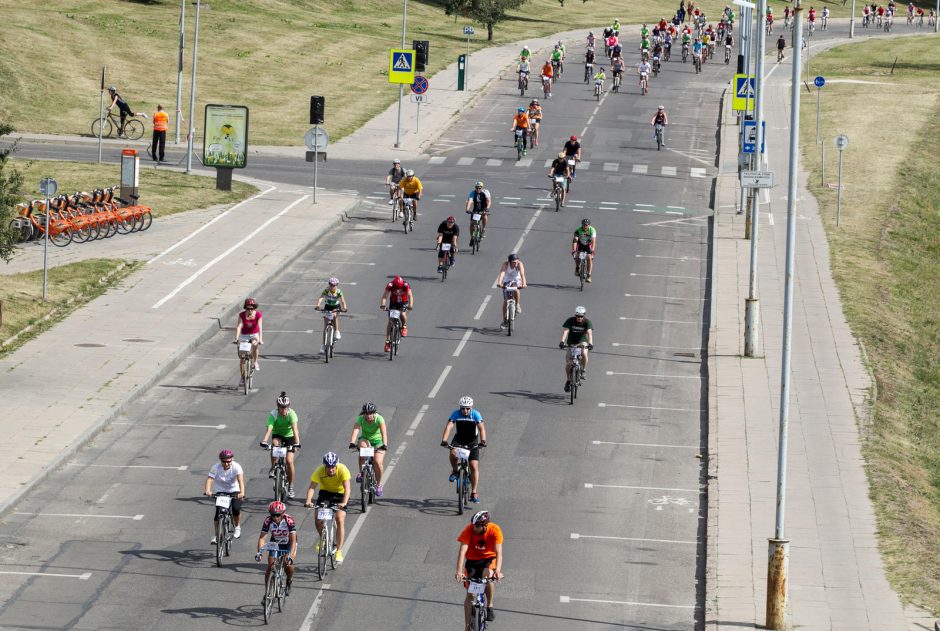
(250, 329)
(228, 478)
(470, 434)
(577, 331)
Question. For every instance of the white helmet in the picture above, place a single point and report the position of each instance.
(465, 402)
(525, 48)
(579, 310)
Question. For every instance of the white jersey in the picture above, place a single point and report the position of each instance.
(226, 480)
(512, 276)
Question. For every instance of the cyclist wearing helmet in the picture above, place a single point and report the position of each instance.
(470, 434)
(573, 148)
(511, 280)
(480, 556)
(331, 300)
(547, 75)
(584, 240)
(558, 168)
(229, 479)
(535, 119)
(283, 431)
(526, 54)
(250, 329)
(479, 201)
(558, 57)
(577, 331)
(395, 175)
(124, 109)
(520, 121)
(398, 296)
(412, 188)
(280, 528)
(370, 430)
(660, 118)
(447, 232)
(333, 478)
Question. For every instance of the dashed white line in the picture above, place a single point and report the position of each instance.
(130, 466)
(569, 599)
(642, 374)
(770, 218)
(589, 485)
(525, 233)
(482, 307)
(463, 342)
(662, 297)
(221, 426)
(604, 442)
(82, 577)
(647, 205)
(576, 535)
(440, 381)
(314, 609)
(658, 320)
(417, 421)
(667, 276)
(131, 517)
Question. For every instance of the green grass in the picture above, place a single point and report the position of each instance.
(886, 262)
(69, 287)
(166, 192)
(270, 55)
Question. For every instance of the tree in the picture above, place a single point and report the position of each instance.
(487, 12)
(11, 181)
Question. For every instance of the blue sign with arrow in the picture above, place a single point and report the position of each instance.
(819, 81)
(749, 141)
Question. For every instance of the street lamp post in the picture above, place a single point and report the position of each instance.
(179, 72)
(751, 304)
(192, 97)
(401, 86)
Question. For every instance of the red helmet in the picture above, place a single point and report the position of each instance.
(451, 219)
(250, 302)
(398, 282)
(277, 508)
(226, 454)
(573, 138)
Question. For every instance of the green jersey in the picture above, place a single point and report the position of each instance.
(577, 331)
(556, 55)
(584, 236)
(371, 431)
(525, 54)
(331, 299)
(282, 425)
(645, 44)
(644, 33)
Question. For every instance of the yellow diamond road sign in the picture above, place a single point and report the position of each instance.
(743, 92)
(401, 65)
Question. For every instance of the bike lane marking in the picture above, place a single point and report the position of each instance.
(463, 342)
(440, 381)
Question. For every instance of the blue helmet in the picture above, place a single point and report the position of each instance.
(330, 459)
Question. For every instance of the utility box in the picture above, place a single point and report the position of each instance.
(130, 173)
(461, 71)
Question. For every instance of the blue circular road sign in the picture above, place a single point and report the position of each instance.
(420, 86)
(819, 81)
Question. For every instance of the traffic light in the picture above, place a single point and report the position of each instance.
(421, 53)
(317, 107)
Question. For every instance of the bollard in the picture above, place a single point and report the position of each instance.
(751, 326)
(777, 565)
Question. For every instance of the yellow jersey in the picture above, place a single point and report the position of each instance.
(411, 185)
(331, 484)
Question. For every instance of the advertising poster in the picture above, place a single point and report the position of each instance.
(225, 143)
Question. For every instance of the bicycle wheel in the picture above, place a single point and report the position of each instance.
(220, 543)
(280, 588)
(444, 270)
(60, 234)
(21, 228)
(145, 220)
(246, 371)
(557, 201)
(279, 485)
(321, 556)
(581, 273)
(460, 485)
(659, 140)
(364, 490)
(229, 533)
(510, 316)
(332, 550)
(268, 600)
(328, 343)
(575, 380)
(125, 225)
(394, 341)
(478, 618)
(133, 129)
(107, 128)
(371, 485)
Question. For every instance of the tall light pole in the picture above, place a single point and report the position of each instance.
(751, 304)
(852, 22)
(779, 545)
(192, 97)
(179, 72)
(401, 86)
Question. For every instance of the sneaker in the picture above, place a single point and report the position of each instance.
(404, 331)
(518, 310)
(322, 349)
(391, 201)
(271, 473)
(359, 477)
(238, 532)
(490, 616)
(576, 272)
(453, 261)
(339, 556)
(474, 498)
(504, 324)
(241, 381)
(378, 490)
(339, 336)
(388, 346)
(568, 386)
(583, 375)
(440, 268)
(316, 548)
(453, 477)
(290, 491)
(257, 367)
(588, 279)
(212, 541)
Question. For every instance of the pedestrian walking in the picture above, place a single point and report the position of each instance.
(160, 122)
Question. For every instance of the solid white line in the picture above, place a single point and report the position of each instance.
(604, 442)
(676, 348)
(663, 297)
(671, 258)
(341, 262)
(576, 535)
(657, 320)
(366, 245)
(82, 577)
(770, 218)
(133, 517)
(648, 407)
(568, 599)
(172, 425)
(440, 381)
(314, 609)
(666, 276)
(128, 466)
(641, 374)
(588, 485)
(417, 421)
(463, 342)
(194, 233)
(205, 267)
(479, 314)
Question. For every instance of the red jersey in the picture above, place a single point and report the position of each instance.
(399, 294)
(250, 325)
(279, 532)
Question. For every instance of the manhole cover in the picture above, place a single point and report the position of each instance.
(138, 339)
(90, 345)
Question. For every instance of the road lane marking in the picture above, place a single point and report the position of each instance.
(569, 599)
(463, 342)
(221, 426)
(647, 205)
(677, 348)
(642, 374)
(494, 162)
(576, 535)
(436, 159)
(640, 169)
(648, 407)
(588, 485)
(132, 517)
(479, 314)
(658, 320)
(669, 171)
(194, 233)
(662, 297)
(668, 276)
(524, 234)
(465, 162)
(671, 258)
(676, 207)
(417, 421)
(82, 577)
(314, 609)
(183, 467)
(440, 381)
(604, 442)
(211, 263)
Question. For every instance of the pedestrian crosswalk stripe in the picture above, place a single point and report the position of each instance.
(465, 162)
(698, 172)
(639, 168)
(436, 159)
(669, 171)
(493, 162)
(611, 166)
(524, 162)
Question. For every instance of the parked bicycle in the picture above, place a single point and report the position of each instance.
(132, 130)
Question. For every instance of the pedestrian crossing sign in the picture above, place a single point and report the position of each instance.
(401, 65)
(743, 92)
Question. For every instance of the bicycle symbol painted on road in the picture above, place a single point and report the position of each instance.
(666, 500)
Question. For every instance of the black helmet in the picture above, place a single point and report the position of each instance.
(369, 408)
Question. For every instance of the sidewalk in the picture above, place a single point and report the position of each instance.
(836, 576)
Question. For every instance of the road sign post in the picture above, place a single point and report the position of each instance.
(419, 89)
(48, 188)
(757, 179)
(842, 141)
(468, 31)
(819, 82)
(316, 140)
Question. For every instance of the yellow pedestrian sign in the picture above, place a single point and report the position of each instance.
(743, 92)
(401, 65)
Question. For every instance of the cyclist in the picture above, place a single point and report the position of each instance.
(535, 119)
(590, 39)
(770, 21)
(560, 167)
(781, 44)
(825, 16)
(686, 42)
(412, 188)
(511, 280)
(787, 13)
(697, 50)
(393, 179)
(573, 147)
(547, 74)
(600, 78)
(657, 56)
(370, 430)
(123, 107)
(523, 71)
(616, 68)
(644, 32)
(399, 297)
(520, 121)
(811, 17)
(644, 70)
(480, 556)
(333, 479)
(250, 329)
(447, 232)
(645, 46)
(229, 479)
(706, 45)
(283, 429)
(577, 331)
(479, 201)
(615, 27)
(470, 433)
(584, 240)
(610, 43)
(280, 528)
(558, 59)
(331, 299)
(660, 118)
(729, 45)
(525, 55)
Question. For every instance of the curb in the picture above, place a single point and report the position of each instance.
(212, 327)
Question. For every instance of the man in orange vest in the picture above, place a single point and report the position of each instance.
(160, 122)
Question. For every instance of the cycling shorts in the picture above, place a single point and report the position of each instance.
(327, 497)
(282, 549)
(441, 252)
(475, 567)
(236, 505)
(398, 306)
(286, 441)
(247, 337)
(474, 450)
(510, 292)
(332, 307)
(582, 247)
(412, 195)
(377, 442)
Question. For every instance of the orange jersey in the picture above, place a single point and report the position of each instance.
(522, 120)
(547, 70)
(483, 546)
(160, 121)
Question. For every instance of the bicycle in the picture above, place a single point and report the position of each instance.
(329, 333)
(463, 476)
(396, 198)
(582, 267)
(476, 587)
(448, 259)
(279, 471)
(509, 317)
(577, 369)
(657, 66)
(557, 193)
(367, 482)
(326, 548)
(659, 137)
(812, 28)
(226, 531)
(247, 365)
(598, 89)
(697, 61)
(408, 213)
(888, 23)
(523, 82)
(395, 339)
(644, 84)
(275, 590)
(727, 54)
(546, 86)
(588, 72)
(616, 83)
(520, 143)
(132, 130)
(476, 232)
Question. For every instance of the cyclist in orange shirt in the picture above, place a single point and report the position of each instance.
(520, 121)
(160, 122)
(547, 76)
(480, 556)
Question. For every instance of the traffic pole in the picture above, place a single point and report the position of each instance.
(179, 72)
(401, 87)
(45, 251)
(751, 304)
(316, 159)
(466, 65)
(852, 22)
(192, 97)
(839, 192)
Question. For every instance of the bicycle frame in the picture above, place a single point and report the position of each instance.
(463, 477)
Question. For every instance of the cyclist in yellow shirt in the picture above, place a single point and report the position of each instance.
(333, 478)
(411, 188)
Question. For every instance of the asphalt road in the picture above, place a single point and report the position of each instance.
(601, 502)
